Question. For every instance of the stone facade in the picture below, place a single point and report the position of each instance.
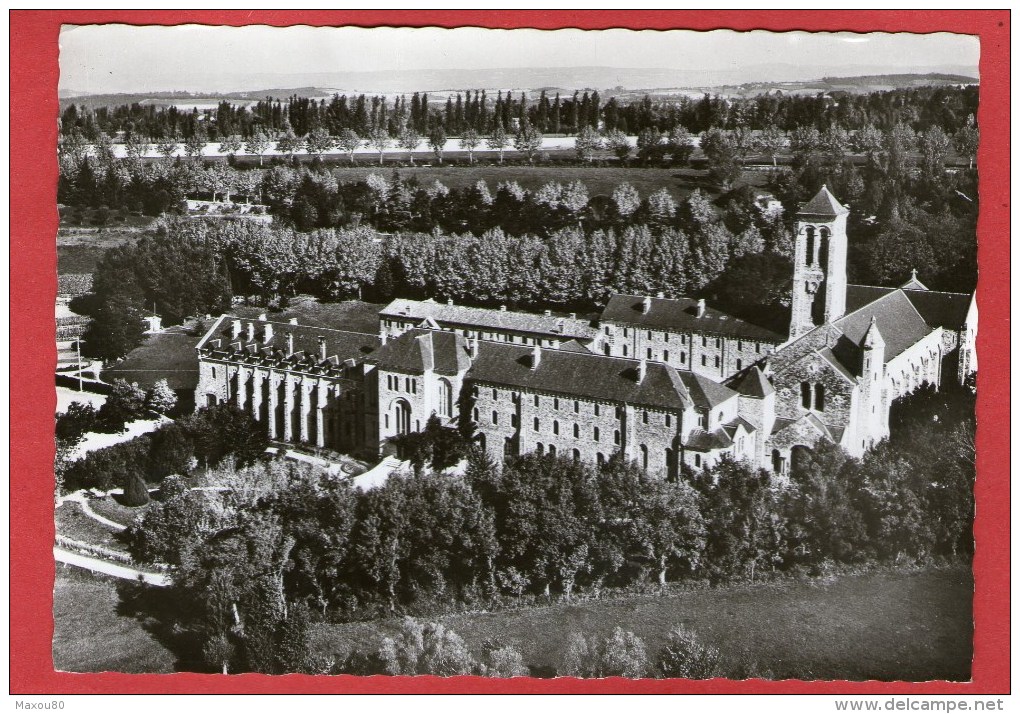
(663, 382)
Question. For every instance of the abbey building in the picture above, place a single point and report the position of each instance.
(662, 380)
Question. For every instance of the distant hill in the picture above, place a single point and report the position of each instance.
(609, 81)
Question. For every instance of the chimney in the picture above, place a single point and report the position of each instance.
(322, 349)
(292, 321)
(382, 336)
(262, 317)
(251, 332)
(660, 295)
(267, 334)
(502, 308)
(235, 329)
(290, 343)
(555, 344)
(449, 301)
(573, 316)
(536, 356)
(548, 313)
(646, 305)
(641, 370)
(473, 346)
(701, 307)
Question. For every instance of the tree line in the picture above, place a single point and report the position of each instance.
(277, 538)
(480, 112)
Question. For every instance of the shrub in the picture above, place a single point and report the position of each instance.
(135, 493)
(427, 648)
(685, 657)
(622, 654)
(161, 399)
(503, 659)
(125, 403)
(73, 424)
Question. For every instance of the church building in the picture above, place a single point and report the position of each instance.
(663, 381)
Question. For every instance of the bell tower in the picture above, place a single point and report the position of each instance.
(819, 264)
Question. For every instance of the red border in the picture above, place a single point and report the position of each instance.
(33, 74)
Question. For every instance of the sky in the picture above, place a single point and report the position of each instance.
(124, 58)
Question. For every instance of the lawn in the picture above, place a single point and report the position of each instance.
(109, 508)
(74, 524)
(79, 250)
(598, 179)
(90, 636)
(884, 626)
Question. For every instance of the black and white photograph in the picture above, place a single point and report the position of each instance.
(516, 353)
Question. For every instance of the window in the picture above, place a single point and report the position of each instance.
(407, 384)
(576, 455)
(389, 382)
(757, 347)
(616, 437)
(718, 342)
(556, 403)
(809, 253)
(214, 373)
(513, 420)
(665, 337)
(740, 365)
(577, 407)
(644, 417)
(474, 414)
(649, 353)
(683, 358)
(669, 420)
(649, 334)
(665, 355)
(608, 350)
(805, 395)
(704, 361)
(536, 423)
(697, 460)
(540, 448)
(495, 417)
(495, 395)
(717, 361)
(701, 420)
(596, 410)
(445, 398)
(619, 412)
(595, 432)
(552, 450)
(644, 456)
(683, 339)
(600, 458)
(740, 344)
(625, 332)
(704, 341)
(577, 431)
(414, 386)
(625, 350)
(536, 400)
(556, 427)
(820, 397)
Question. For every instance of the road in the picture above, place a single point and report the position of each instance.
(101, 566)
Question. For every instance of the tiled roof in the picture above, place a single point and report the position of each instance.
(704, 392)
(339, 343)
(700, 440)
(898, 320)
(681, 315)
(823, 205)
(589, 376)
(554, 326)
(418, 350)
(829, 356)
(751, 383)
(948, 310)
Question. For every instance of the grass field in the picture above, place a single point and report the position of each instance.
(89, 635)
(80, 249)
(72, 523)
(885, 626)
(108, 507)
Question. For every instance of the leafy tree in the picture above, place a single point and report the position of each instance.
(469, 142)
(349, 141)
(379, 139)
(79, 419)
(115, 330)
(258, 144)
(318, 142)
(770, 141)
(619, 144)
(587, 143)
(622, 654)
(626, 199)
(680, 145)
(498, 141)
(408, 140)
(502, 659)
(135, 146)
(527, 140)
(168, 146)
(231, 145)
(720, 149)
(965, 141)
(867, 140)
(194, 145)
(437, 141)
(125, 403)
(684, 656)
(427, 648)
(934, 146)
(160, 398)
(288, 143)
